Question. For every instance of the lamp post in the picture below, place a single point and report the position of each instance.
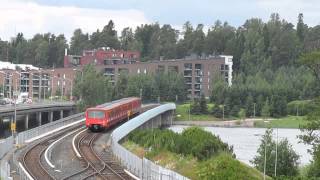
(265, 161)
(276, 161)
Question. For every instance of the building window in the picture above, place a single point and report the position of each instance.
(222, 67)
(188, 66)
(161, 69)
(226, 67)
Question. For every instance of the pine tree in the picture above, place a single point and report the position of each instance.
(300, 28)
(265, 111)
(203, 104)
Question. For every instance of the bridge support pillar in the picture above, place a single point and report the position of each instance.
(61, 114)
(26, 122)
(39, 119)
(50, 116)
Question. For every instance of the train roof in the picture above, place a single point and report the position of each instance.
(112, 104)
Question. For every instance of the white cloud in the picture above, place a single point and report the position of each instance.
(289, 9)
(31, 18)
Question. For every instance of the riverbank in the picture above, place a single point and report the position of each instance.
(293, 122)
(183, 117)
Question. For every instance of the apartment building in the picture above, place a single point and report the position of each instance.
(39, 83)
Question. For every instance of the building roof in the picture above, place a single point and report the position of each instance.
(11, 66)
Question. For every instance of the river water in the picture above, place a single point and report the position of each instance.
(245, 141)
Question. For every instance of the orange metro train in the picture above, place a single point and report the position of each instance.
(105, 115)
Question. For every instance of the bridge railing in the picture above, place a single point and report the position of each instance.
(24, 136)
(143, 168)
(5, 146)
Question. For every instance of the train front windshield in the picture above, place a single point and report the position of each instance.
(96, 114)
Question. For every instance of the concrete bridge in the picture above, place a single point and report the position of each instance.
(33, 115)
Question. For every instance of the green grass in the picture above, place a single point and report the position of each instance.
(286, 122)
(182, 114)
(185, 165)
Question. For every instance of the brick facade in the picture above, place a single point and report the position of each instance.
(197, 73)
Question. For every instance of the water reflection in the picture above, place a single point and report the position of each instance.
(246, 141)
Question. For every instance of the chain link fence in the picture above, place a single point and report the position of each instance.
(143, 168)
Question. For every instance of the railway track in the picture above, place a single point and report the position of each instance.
(32, 157)
(94, 165)
(97, 166)
(31, 160)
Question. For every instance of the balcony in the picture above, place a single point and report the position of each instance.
(187, 73)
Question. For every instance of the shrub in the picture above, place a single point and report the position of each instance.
(224, 167)
(193, 141)
(300, 108)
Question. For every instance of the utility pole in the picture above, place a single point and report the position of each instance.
(189, 111)
(141, 94)
(223, 112)
(61, 89)
(276, 161)
(265, 161)
(39, 87)
(254, 110)
(51, 88)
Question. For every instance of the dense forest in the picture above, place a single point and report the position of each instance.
(256, 45)
(267, 70)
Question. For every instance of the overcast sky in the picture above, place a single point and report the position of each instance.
(63, 16)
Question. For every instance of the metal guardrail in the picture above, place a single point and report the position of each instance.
(5, 171)
(5, 146)
(26, 135)
(143, 168)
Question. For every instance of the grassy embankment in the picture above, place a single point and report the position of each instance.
(188, 165)
(185, 153)
(182, 112)
(285, 122)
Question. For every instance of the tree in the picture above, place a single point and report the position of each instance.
(287, 160)
(242, 114)
(278, 106)
(107, 37)
(249, 106)
(195, 107)
(120, 89)
(127, 39)
(265, 112)
(203, 104)
(311, 136)
(217, 111)
(79, 42)
(93, 87)
(300, 28)
(312, 61)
